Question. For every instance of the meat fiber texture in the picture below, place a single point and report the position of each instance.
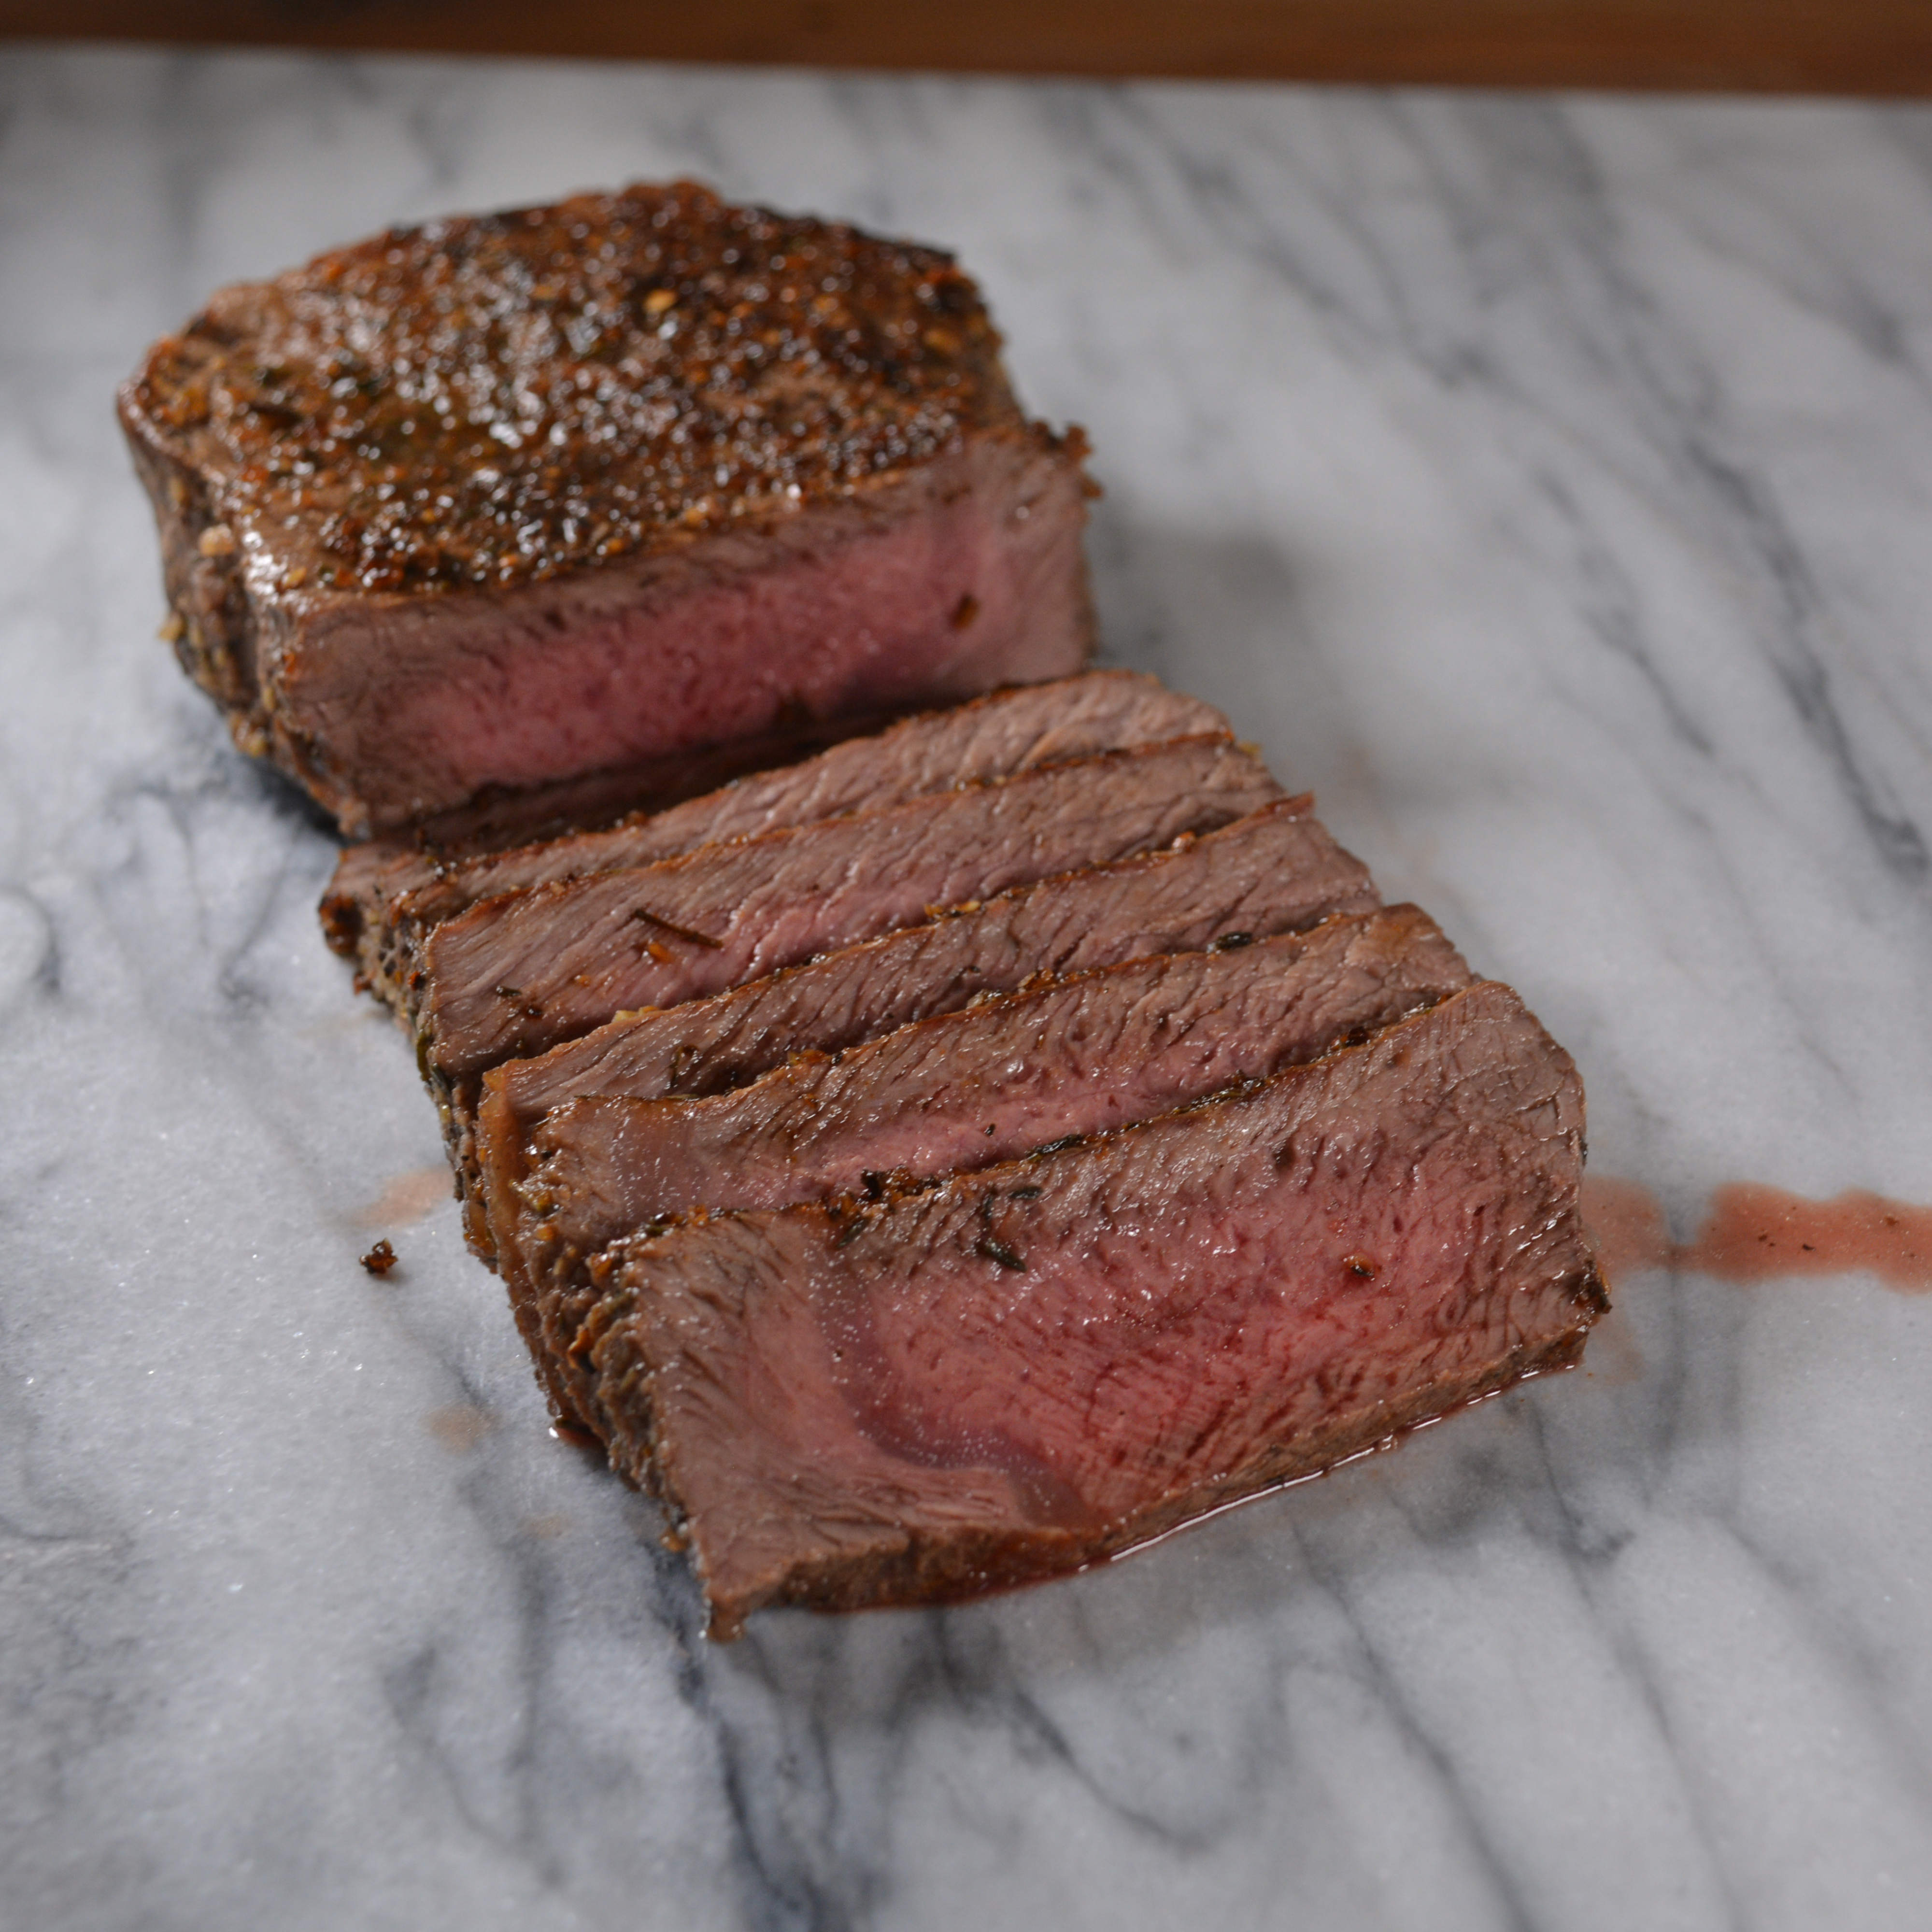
(1277, 870)
(1014, 731)
(521, 972)
(1035, 1366)
(511, 498)
(372, 873)
(1063, 1059)
(1055, 1063)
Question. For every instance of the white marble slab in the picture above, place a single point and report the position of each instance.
(1547, 482)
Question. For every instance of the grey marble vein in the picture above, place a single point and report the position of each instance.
(1547, 482)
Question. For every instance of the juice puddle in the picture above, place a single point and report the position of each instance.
(407, 1198)
(1755, 1233)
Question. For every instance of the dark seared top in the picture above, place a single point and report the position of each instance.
(493, 399)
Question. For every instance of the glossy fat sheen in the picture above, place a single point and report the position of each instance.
(1023, 1369)
(520, 972)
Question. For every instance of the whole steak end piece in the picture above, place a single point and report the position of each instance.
(1038, 1366)
(503, 499)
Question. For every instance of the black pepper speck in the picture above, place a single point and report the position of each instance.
(494, 399)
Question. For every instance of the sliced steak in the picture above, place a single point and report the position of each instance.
(518, 973)
(1013, 730)
(1065, 1059)
(504, 499)
(1042, 1364)
(1053, 1064)
(372, 872)
(1276, 871)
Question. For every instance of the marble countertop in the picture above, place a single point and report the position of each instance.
(1546, 481)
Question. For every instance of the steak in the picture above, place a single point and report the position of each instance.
(1013, 730)
(1033, 1367)
(1065, 1059)
(1051, 1065)
(518, 973)
(1275, 871)
(965, 1091)
(372, 872)
(510, 498)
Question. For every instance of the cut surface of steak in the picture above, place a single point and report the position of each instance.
(1010, 731)
(1277, 870)
(1066, 1060)
(517, 974)
(371, 872)
(1039, 1365)
(1056, 1062)
(503, 499)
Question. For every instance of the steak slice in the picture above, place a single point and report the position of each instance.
(503, 499)
(518, 973)
(1275, 871)
(1012, 730)
(1065, 1059)
(1033, 1367)
(371, 872)
(1054, 1064)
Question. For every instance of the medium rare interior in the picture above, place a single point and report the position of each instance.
(1063, 1060)
(1277, 870)
(1013, 730)
(500, 500)
(1029, 1368)
(1048, 1066)
(966, 578)
(517, 974)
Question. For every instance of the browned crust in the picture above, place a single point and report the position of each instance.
(494, 399)
(648, 379)
(210, 623)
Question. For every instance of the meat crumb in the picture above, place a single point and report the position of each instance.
(380, 1258)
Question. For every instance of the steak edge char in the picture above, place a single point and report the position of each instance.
(1276, 871)
(1029, 1369)
(1011, 731)
(505, 499)
(1068, 1059)
(520, 972)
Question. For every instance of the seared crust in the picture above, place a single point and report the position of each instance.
(494, 399)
